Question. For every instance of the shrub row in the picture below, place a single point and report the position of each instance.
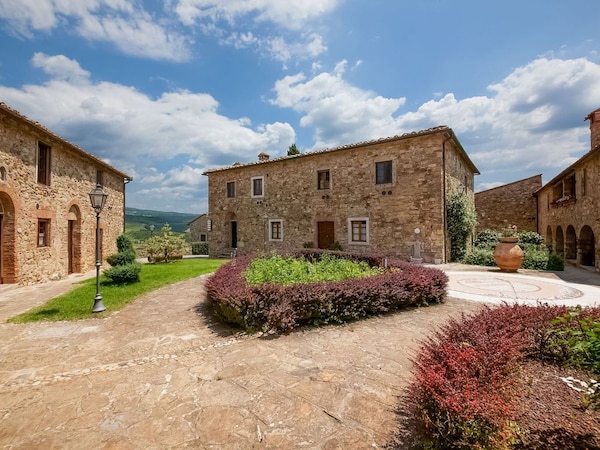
(284, 307)
(463, 393)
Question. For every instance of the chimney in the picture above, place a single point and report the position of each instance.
(594, 118)
(264, 157)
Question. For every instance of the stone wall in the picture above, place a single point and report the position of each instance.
(64, 203)
(513, 203)
(198, 229)
(393, 212)
(569, 211)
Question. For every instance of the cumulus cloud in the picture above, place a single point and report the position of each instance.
(530, 122)
(133, 131)
(123, 23)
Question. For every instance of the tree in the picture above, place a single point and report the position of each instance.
(164, 244)
(293, 150)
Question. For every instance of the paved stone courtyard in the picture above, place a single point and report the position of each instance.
(161, 373)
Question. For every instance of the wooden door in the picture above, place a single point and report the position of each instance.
(326, 236)
(71, 246)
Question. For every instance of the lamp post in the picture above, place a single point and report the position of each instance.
(98, 200)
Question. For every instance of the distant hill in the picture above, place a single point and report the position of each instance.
(138, 221)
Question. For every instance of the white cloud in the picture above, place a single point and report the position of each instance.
(287, 14)
(134, 132)
(532, 121)
(121, 22)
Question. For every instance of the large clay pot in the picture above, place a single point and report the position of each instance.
(508, 255)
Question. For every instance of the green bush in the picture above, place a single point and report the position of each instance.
(125, 244)
(535, 258)
(486, 239)
(199, 248)
(530, 237)
(480, 257)
(121, 258)
(125, 274)
(555, 262)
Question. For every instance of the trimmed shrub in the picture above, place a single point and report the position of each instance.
(480, 257)
(121, 258)
(464, 392)
(125, 244)
(530, 237)
(487, 239)
(555, 262)
(283, 307)
(124, 274)
(199, 248)
(535, 257)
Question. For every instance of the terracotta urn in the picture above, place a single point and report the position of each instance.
(508, 255)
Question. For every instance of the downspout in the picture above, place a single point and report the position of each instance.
(444, 245)
(126, 180)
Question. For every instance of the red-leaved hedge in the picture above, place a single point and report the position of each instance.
(281, 308)
(463, 393)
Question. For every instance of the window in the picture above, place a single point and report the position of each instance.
(276, 230)
(584, 182)
(43, 164)
(2, 174)
(358, 230)
(43, 233)
(257, 186)
(203, 237)
(383, 172)
(323, 179)
(231, 189)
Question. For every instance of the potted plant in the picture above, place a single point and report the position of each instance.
(507, 254)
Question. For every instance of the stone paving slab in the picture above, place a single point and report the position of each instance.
(161, 373)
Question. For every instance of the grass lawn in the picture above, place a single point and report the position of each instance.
(77, 304)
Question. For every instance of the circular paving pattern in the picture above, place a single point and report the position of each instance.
(512, 287)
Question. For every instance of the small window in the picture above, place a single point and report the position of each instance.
(584, 182)
(358, 230)
(43, 233)
(323, 179)
(231, 189)
(383, 172)
(257, 186)
(203, 238)
(43, 164)
(2, 174)
(276, 230)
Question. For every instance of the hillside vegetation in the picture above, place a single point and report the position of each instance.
(138, 221)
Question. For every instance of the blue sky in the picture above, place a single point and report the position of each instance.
(164, 90)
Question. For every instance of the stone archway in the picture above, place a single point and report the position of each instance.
(74, 240)
(571, 243)
(586, 247)
(560, 242)
(548, 239)
(8, 263)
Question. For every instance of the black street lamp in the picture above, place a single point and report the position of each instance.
(98, 200)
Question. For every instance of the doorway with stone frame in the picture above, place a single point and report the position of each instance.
(325, 234)
(7, 240)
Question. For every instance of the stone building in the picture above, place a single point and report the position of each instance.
(386, 196)
(510, 204)
(47, 225)
(569, 206)
(198, 231)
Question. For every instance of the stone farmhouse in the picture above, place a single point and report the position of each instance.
(385, 196)
(568, 206)
(47, 224)
(198, 229)
(510, 204)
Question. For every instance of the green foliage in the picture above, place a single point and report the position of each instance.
(289, 270)
(487, 239)
(461, 219)
(121, 258)
(293, 150)
(579, 339)
(124, 274)
(535, 257)
(199, 248)
(164, 244)
(555, 262)
(480, 257)
(77, 304)
(125, 244)
(530, 237)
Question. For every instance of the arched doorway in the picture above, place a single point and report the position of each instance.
(571, 243)
(8, 264)
(548, 239)
(74, 240)
(560, 242)
(586, 247)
